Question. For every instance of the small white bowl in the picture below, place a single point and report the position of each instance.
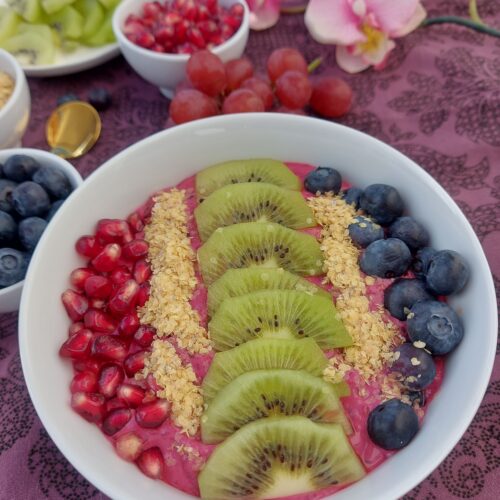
(14, 116)
(166, 71)
(11, 295)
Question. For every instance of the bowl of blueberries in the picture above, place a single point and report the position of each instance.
(33, 186)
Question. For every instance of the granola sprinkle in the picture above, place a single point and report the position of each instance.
(6, 88)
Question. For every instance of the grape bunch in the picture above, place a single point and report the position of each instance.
(214, 88)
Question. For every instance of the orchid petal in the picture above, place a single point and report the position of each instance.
(348, 61)
(392, 15)
(419, 15)
(333, 21)
(375, 57)
(263, 13)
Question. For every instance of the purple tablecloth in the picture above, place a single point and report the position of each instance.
(438, 101)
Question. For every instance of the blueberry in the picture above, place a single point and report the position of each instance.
(414, 365)
(99, 98)
(447, 273)
(385, 258)
(13, 265)
(410, 231)
(382, 202)
(20, 168)
(400, 296)
(421, 261)
(67, 98)
(364, 231)
(323, 180)
(436, 324)
(352, 196)
(8, 229)
(53, 209)
(54, 181)
(29, 198)
(30, 230)
(6, 188)
(392, 424)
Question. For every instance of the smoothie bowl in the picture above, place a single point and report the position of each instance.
(222, 336)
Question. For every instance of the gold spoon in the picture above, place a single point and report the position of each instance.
(72, 129)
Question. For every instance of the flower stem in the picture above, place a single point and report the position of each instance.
(315, 64)
(473, 12)
(461, 21)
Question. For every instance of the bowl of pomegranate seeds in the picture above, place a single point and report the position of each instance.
(157, 38)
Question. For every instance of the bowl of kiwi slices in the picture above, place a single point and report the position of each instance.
(216, 326)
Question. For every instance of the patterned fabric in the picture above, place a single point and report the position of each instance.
(437, 101)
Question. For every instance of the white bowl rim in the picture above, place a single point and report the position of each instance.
(18, 77)
(165, 57)
(462, 421)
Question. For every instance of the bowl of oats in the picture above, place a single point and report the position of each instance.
(15, 102)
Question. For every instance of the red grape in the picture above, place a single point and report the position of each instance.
(262, 89)
(237, 71)
(293, 89)
(206, 72)
(288, 111)
(242, 101)
(331, 97)
(285, 59)
(190, 105)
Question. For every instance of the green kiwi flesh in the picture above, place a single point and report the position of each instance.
(280, 314)
(32, 48)
(267, 393)
(278, 457)
(263, 244)
(252, 201)
(236, 282)
(254, 170)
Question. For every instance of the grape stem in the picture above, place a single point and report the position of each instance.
(315, 64)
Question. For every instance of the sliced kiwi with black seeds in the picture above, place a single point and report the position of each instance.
(267, 393)
(279, 314)
(254, 170)
(252, 201)
(236, 282)
(263, 244)
(279, 457)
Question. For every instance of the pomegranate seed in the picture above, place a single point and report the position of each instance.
(231, 21)
(212, 6)
(110, 378)
(143, 295)
(129, 324)
(135, 362)
(85, 381)
(114, 404)
(165, 36)
(195, 37)
(135, 222)
(98, 287)
(91, 365)
(151, 462)
(89, 405)
(110, 348)
(142, 271)
(78, 345)
(108, 258)
(144, 39)
(116, 420)
(75, 303)
(151, 9)
(152, 415)
(75, 327)
(144, 335)
(135, 249)
(237, 10)
(120, 275)
(226, 32)
(129, 446)
(172, 18)
(208, 29)
(190, 10)
(78, 277)
(203, 13)
(150, 394)
(99, 321)
(181, 31)
(152, 384)
(145, 210)
(124, 298)
(131, 394)
(97, 303)
(88, 246)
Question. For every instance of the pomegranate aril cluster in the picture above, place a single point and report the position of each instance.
(106, 342)
(183, 26)
(214, 87)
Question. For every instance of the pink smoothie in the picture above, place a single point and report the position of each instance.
(182, 468)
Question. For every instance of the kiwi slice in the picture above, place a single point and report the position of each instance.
(266, 393)
(29, 10)
(9, 20)
(263, 244)
(93, 15)
(278, 457)
(252, 201)
(256, 170)
(280, 314)
(51, 6)
(236, 282)
(32, 48)
(68, 22)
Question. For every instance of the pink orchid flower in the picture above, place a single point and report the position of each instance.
(263, 13)
(363, 30)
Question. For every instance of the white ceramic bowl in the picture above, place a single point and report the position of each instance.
(14, 116)
(168, 157)
(166, 71)
(11, 295)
